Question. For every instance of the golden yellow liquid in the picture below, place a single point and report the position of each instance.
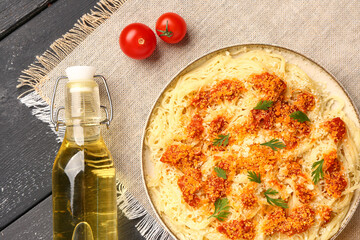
(84, 192)
(83, 178)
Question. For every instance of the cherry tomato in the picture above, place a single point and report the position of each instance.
(170, 27)
(137, 41)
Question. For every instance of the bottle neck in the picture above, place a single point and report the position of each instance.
(82, 134)
(82, 111)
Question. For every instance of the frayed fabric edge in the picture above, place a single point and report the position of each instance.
(37, 72)
(151, 229)
(41, 110)
(130, 207)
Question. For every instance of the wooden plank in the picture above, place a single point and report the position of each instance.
(27, 145)
(15, 13)
(37, 224)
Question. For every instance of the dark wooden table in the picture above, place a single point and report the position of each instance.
(27, 145)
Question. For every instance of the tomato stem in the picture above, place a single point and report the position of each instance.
(166, 33)
(141, 41)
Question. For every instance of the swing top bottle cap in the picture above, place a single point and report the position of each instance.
(80, 73)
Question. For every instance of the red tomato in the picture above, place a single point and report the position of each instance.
(170, 27)
(137, 41)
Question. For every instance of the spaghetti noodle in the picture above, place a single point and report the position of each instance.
(252, 113)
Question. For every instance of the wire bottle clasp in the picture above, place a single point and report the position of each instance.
(58, 122)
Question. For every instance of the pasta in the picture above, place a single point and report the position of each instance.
(254, 132)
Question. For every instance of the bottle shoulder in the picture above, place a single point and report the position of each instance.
(92, 153)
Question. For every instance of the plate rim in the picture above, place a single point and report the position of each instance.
(355, 202)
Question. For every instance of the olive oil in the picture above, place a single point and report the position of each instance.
(84, 183)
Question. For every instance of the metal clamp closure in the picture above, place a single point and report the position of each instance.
(108, 118)
(55, 118)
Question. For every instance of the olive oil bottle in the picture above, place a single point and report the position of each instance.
(83, 177)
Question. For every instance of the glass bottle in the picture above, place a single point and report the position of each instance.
(83, 177)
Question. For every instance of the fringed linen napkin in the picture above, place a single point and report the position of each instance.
(327, 32)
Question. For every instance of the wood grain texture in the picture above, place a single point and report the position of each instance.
(15, 13)
(27, 145)
(37, 224)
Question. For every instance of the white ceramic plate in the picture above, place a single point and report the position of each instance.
(313, 70)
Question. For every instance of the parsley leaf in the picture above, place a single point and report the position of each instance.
(253, 177)
(271, 191)
(278, 202)
(220, 172)
(221, 140)
(299, 116)
(274, 143)
(264, 105)
(274, 201)
(318, 173)
(221, 209)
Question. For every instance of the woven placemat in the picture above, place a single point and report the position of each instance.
(327, 32)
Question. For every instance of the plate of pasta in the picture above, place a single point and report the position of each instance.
(253, 142)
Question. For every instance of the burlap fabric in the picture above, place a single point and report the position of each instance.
(326, 31)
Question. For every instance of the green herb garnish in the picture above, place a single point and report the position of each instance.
(221, 140)
(253, 177)
(274, 201)
(221, 209)
(318, 173)
(274, 143)
(165, 32)
(264, 105)
(300, 116)
(220, 172)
